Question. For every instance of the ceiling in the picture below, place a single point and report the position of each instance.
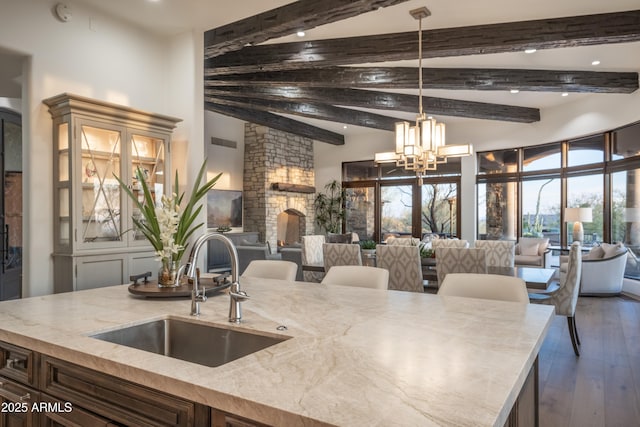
(170, 17)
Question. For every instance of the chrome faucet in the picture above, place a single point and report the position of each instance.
(198, 295)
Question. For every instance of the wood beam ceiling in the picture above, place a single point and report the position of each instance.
(437, 78)
(285, 20)
(310, 78)
(551, 33)
(374, 100)
(277, 122)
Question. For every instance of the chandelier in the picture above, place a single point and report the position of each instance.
(421, 148)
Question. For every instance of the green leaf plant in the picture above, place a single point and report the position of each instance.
(150, 224)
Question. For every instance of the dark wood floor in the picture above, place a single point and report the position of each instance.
(602, 386)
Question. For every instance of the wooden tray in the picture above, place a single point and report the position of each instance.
(150, 289)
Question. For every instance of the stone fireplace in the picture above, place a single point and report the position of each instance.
(278, 185)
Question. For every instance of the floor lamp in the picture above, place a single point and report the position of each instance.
(578, 216)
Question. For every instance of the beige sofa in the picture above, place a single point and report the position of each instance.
(533, 252)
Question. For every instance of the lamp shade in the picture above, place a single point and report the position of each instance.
(578, 215)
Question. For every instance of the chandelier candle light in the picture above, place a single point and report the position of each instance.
(421, 147)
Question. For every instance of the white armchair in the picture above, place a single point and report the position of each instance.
(533, 252)
(603, 271)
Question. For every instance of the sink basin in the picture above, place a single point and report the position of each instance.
(194, 342)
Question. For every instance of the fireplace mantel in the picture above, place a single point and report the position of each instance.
(293, 188)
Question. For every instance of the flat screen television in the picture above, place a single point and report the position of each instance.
(224, 208)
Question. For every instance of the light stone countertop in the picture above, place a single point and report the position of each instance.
(357, 357)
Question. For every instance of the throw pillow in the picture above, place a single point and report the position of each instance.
(596, 252)
(529, 249)
(611, 249)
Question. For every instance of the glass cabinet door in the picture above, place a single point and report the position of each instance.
(147, 154)
(101, 159)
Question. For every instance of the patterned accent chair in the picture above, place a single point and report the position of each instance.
(499, 253)
(340, 254)
(565, 295)
(403, 263)
(403, 241)
(448, 243)
(312, 255)
(459, 260)
(357, 275)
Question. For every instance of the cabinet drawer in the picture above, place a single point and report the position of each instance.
(114, 398)
(17, 401)
(73, 418)
(18, 363)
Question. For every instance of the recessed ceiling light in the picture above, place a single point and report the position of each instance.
(596, 62)
(514, 91)
(565, 94)
(300, 33)
(344, 127)
(530, 50)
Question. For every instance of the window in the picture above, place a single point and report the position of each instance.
(439, 208)
(497, 210)
(396, 202)
(599, 171)
(360, 211)
(384, 200)
(541, 209)
(541, 157)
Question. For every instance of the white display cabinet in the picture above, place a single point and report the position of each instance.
(95, 241)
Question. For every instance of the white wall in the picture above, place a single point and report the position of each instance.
(226, 160)
(94, 56)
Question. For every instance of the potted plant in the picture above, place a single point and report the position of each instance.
(329, 208)
(368, 247)
(168, 224)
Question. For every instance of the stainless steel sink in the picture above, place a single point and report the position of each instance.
(194, 342)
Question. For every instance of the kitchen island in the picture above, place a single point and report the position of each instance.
(356, 356)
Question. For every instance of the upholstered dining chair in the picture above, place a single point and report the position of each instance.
(403, 241)
(448, 243)
(312, 255)
(499, 253)
(459, 260)
(357, 275)
(485, 286)
(403, 263)
(565, 296)
(340, 254)
(272, 269)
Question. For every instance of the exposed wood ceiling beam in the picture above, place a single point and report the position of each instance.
(440, 78)
(275, 121)
(618, 27)
(380, 100)
(285, 20)
(310, 109)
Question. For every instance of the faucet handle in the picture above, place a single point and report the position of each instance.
(237, 294)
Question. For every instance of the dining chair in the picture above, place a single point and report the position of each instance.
(312, 255)
(448, 243)
(272, 269)
(499, 253)
(565, 296)
(340, 254)
(403, 241)
(403, 263)
(459, 260)
(485, 286)
(357, 275)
